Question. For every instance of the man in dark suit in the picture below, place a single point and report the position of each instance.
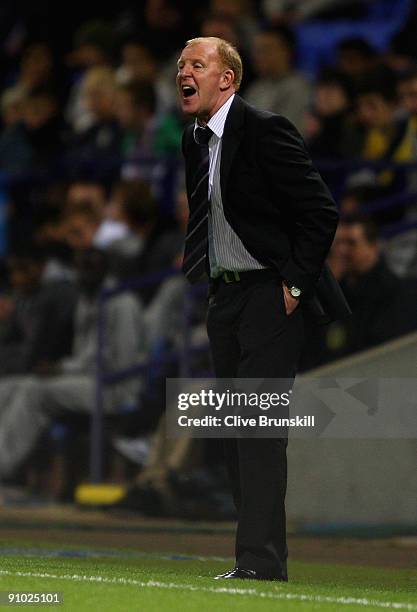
(261, 223)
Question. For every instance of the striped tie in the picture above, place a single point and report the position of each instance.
(196, 241)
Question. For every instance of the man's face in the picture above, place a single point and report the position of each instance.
(360, 253)
(99, 100)
(37, 111)
(354, 63)
(80, 232)
(37, 63)
(203, 83)
(374, 111)
(88, 55)
(330, 99)
(91, 192)
(407, 91)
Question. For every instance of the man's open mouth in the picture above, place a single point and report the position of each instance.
(188, 91)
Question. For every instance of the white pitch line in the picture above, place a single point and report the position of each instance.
(224, 590)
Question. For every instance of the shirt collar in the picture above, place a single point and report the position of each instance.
(217, 121)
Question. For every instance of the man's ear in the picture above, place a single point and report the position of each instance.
(228, 78)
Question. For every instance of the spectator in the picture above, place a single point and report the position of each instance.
(135, 111)
(11, 106)
(49, 235)
(36, 69)
(383, 306)
(138, 63)
(44, 128)
(36, 315)
(407, 91)
(85, 227)
(99, 88)
(15, 150)
(30, 152)
(156, 245)
(381, 303)
(354, 197)
(278, 87)
(109, 228)
(402, 251)
(126, 200)
(82, 190)
(28, 404)
(400, 56)
(94, 44)
(33, 141)
(97, 149)
(81, 225)
(93, 47)
(145, 135)
(330, 119)
(356, 58)
(381, 135)
(376, 111)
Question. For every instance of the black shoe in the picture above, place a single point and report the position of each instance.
(246, 574)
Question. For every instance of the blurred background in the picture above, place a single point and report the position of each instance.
(94, 314)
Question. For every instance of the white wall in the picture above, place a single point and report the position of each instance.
(357, 481)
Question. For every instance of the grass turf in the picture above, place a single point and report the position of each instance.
(117, 580)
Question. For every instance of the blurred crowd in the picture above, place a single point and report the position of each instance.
(92, 195)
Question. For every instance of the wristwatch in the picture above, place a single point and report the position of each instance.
(294, 291)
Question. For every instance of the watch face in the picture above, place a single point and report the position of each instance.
(295, 292)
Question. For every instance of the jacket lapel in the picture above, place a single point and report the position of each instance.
(232, 136)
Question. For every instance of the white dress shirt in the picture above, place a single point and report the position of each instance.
(226, 250)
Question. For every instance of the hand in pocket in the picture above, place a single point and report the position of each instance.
(290, 302)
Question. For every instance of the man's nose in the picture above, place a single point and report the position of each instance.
(184, 71)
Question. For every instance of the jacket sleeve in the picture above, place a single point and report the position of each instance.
(304, 200)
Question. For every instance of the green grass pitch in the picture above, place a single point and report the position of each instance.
(121, 580)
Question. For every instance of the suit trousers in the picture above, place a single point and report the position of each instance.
(251, 336)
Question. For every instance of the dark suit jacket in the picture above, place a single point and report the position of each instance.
(275, 201)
